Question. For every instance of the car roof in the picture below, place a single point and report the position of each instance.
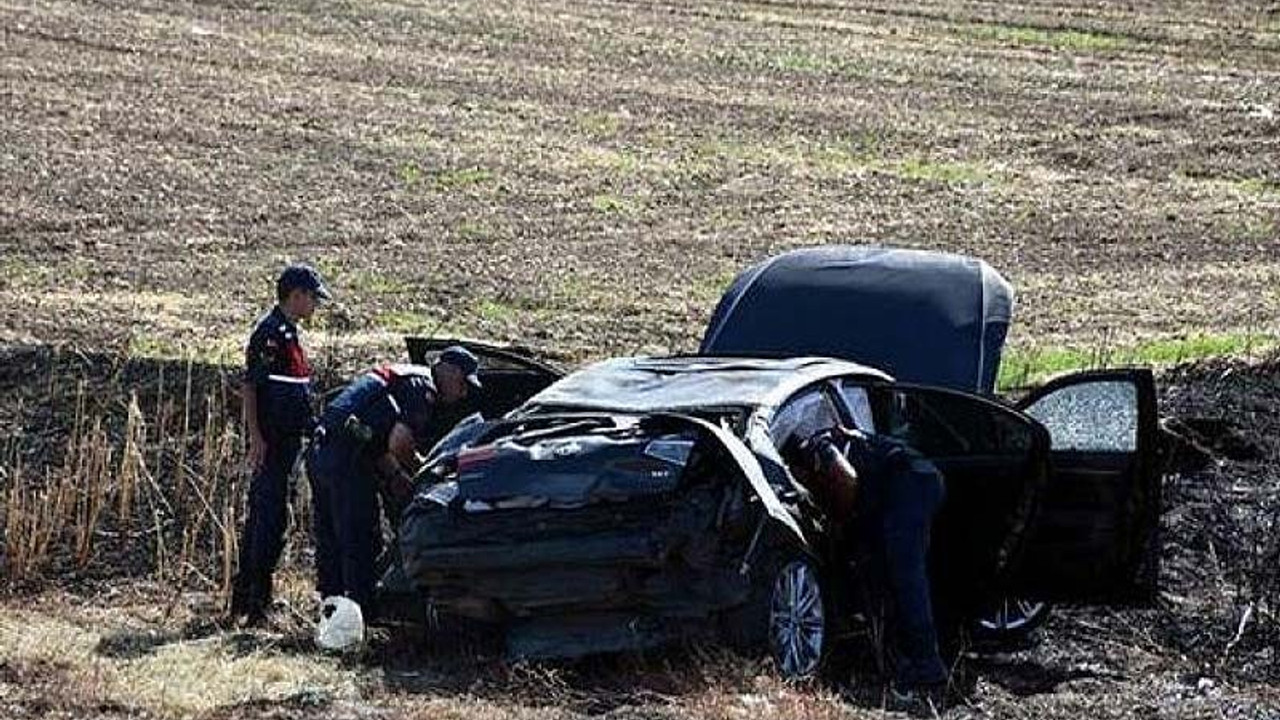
(684, 383)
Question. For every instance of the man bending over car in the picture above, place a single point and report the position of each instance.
(368, 439)
(891, 493)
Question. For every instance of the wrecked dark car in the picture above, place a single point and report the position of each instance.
(641, 501)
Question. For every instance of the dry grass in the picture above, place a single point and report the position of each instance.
(171, 677)
(120, 656)
(157, 490)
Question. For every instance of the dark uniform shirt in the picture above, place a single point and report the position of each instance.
(382, 398)
(277, 366)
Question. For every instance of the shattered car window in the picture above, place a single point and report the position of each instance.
(803, 416)
(1097, 416)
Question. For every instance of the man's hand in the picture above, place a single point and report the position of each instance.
(402, 448)
(400, 487)
(393, 480)
(257, 451)
(835, 478)
(257, 443)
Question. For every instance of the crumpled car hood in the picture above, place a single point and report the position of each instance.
(579, 470)
(567, 472)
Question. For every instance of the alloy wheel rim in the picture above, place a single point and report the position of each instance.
(797, 624)
(1012, 614)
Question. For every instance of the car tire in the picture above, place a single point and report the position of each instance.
(1010, 622)
(788, 599)
(798, 623)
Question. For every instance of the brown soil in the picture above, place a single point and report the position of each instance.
(587, 175)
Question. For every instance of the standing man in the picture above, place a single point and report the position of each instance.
(368, 439)
(276, 394)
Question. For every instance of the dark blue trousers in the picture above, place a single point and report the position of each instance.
(899, 500)
(262, 540)
(347, 521)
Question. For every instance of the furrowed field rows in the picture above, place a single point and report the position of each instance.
(511, 170)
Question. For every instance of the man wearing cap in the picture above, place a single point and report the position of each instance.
(276, 394)
(368, 441)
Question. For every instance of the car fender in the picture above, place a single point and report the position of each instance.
(750, 464)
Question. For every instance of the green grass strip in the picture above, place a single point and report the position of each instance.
(1022, 368)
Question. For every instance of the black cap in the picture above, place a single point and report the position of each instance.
(464, 360)
(302, 277)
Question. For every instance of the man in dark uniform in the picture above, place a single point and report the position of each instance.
(276, 395)
(899, 501)
(368, 440)
(892, 494)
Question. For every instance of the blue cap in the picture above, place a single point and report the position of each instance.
(464, 360)
(302, 277)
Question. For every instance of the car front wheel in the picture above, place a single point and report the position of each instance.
(798, 627)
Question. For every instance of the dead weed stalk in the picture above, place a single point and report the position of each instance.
(122, 493)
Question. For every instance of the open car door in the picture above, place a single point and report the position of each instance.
(1095, 535)
(509, 376)
(993, 459)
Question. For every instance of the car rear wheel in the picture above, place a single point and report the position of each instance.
(798, 627)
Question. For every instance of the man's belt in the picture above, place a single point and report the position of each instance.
(289, 379)
(353, 428)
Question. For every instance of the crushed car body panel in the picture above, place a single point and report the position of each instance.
(566, 472)
(751, 467)
(638, 535)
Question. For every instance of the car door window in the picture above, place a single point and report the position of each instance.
(1095, 536)
(804, 415)
(858, 401)
(1092, 417)
(942, 423)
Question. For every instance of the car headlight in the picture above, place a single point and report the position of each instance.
(673, 450)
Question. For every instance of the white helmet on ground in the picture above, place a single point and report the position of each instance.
(341, 624)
